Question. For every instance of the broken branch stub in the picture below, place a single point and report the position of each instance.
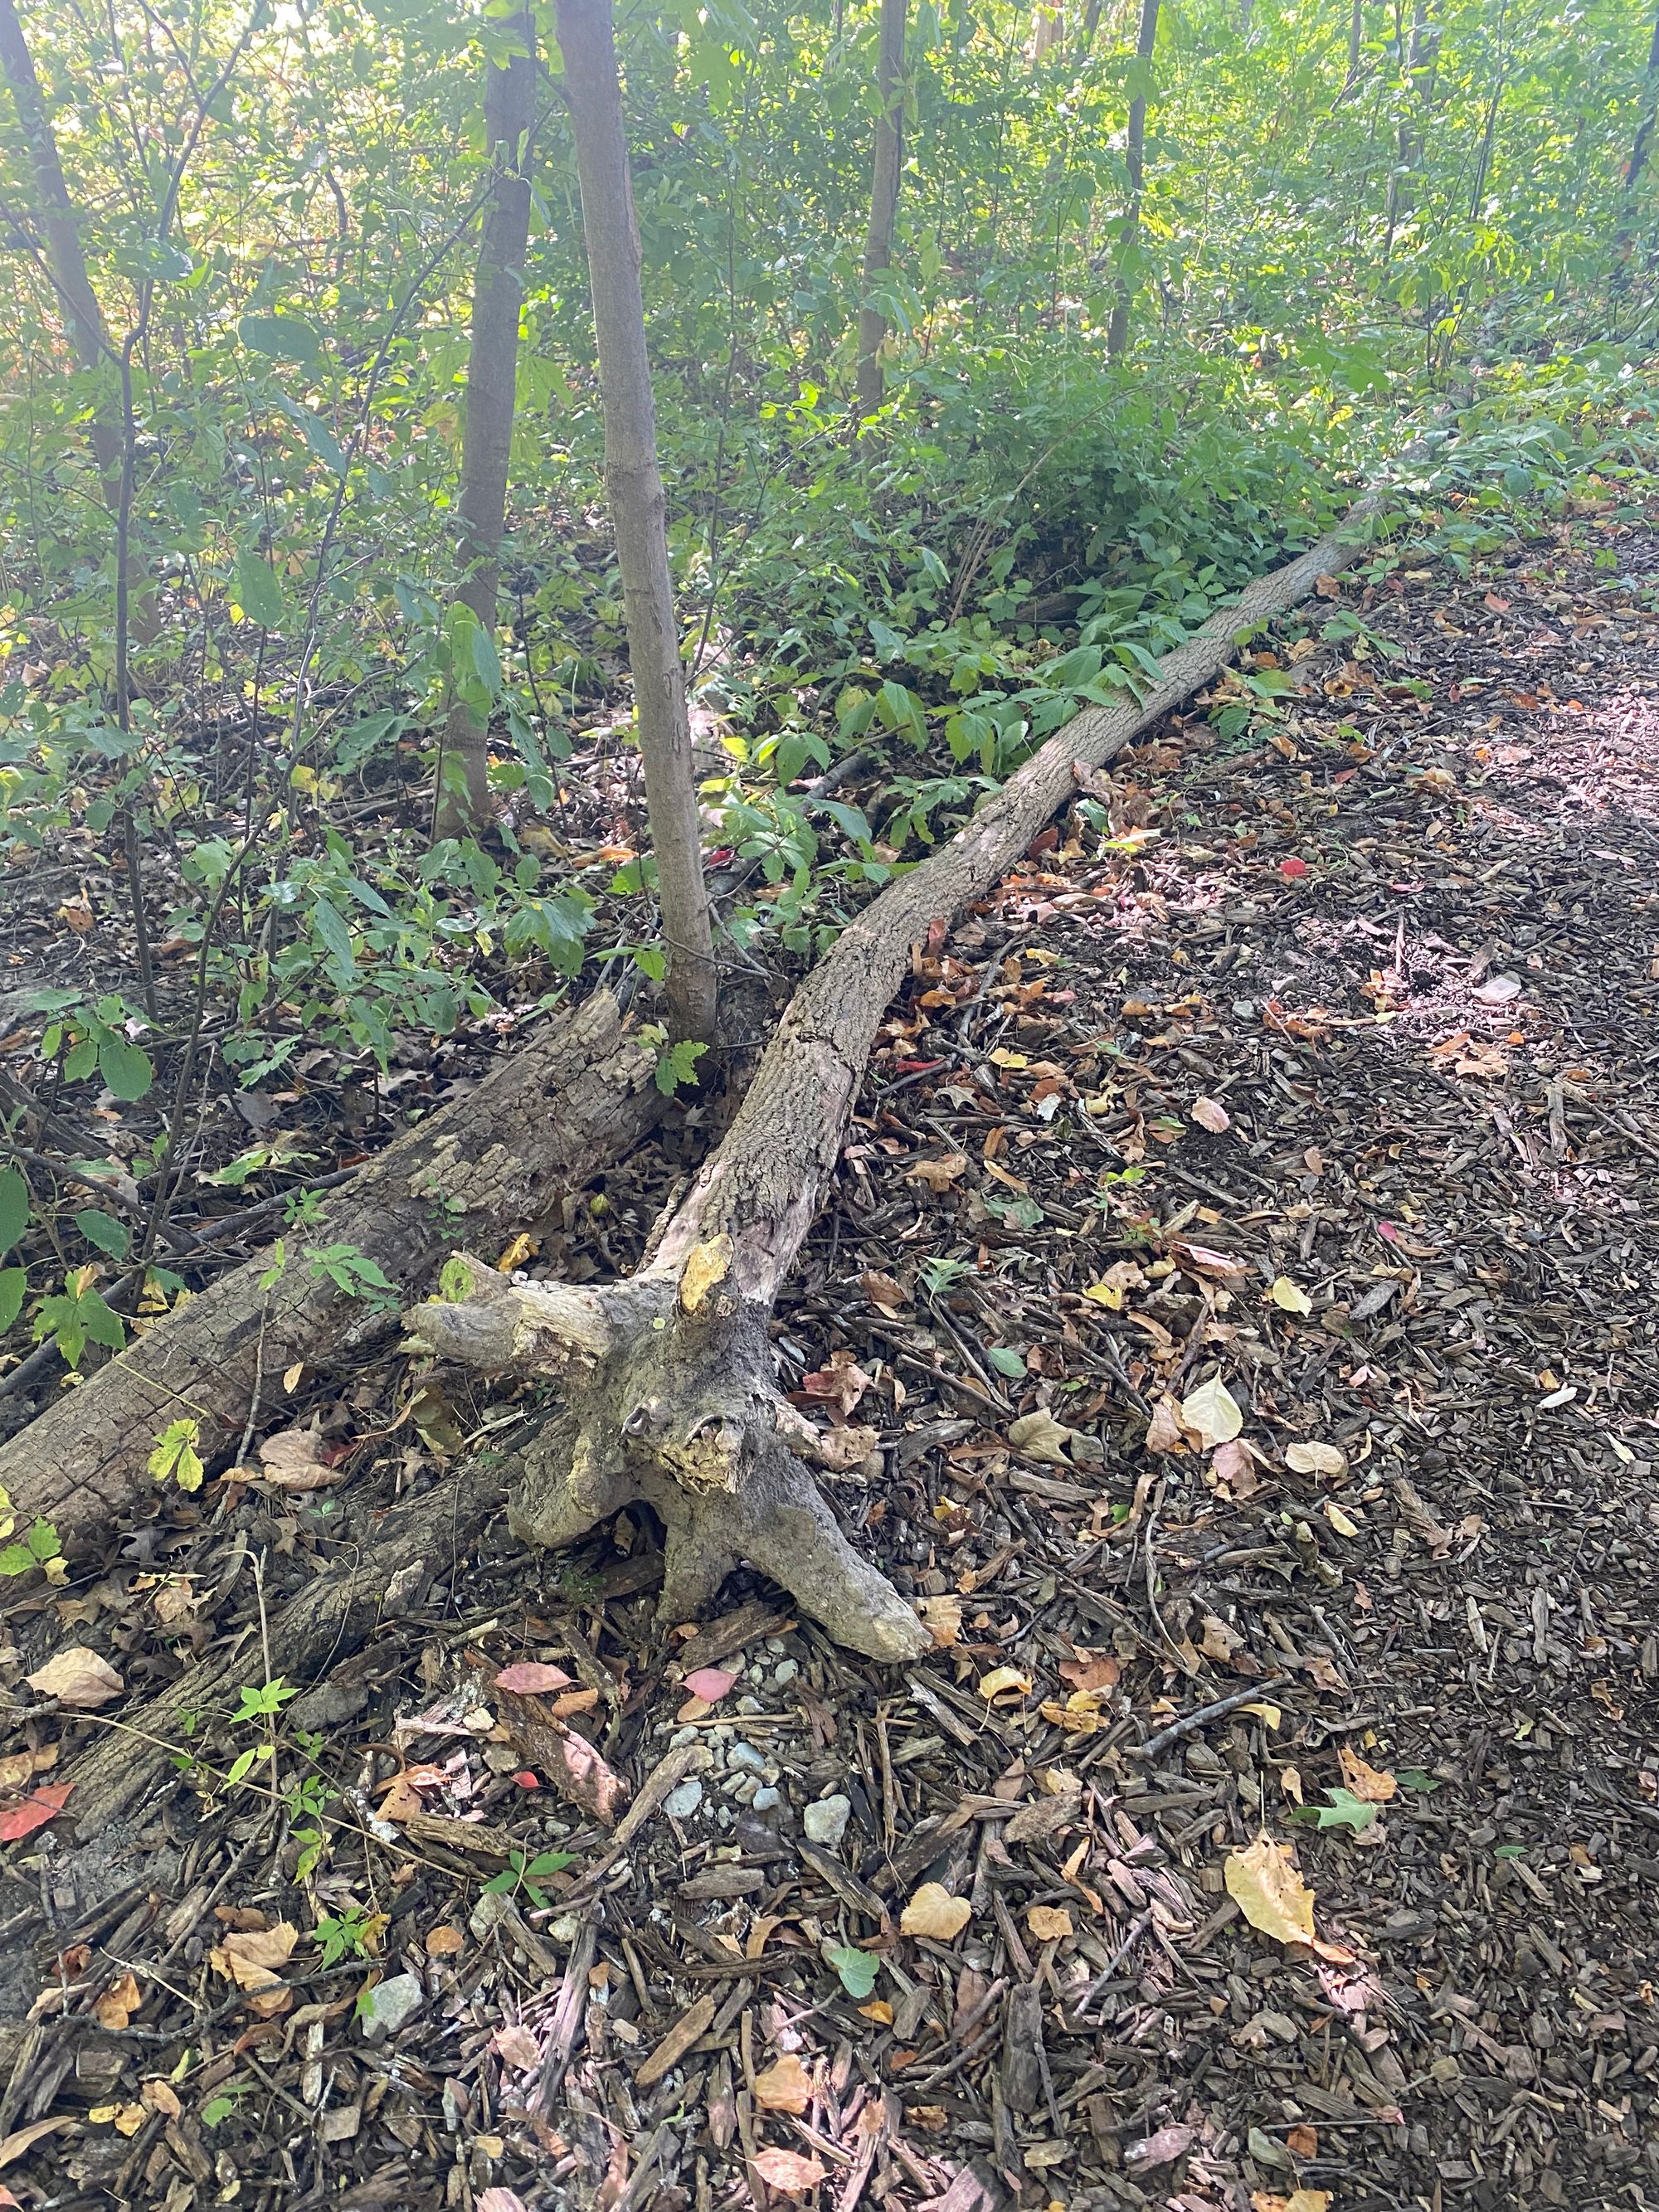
(670, 1393)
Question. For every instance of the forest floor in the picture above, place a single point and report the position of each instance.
(1334, 1073)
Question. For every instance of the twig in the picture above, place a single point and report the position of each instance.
(1196, 1719)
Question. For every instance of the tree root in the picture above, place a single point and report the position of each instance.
(676, 1408)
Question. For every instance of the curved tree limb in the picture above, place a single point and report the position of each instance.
(544, 1121)
(668, 1379)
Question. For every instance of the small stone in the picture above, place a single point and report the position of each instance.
(743, 1787)
(825, 1822)
(745, 1755)
(565, 1929)
(684, 1735)
(680, 1804)
(785, 1672)
(390, 2005)
(765, 1799)
(747, 1704)
(486, 1912)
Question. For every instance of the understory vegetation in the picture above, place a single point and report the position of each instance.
(1163, 290)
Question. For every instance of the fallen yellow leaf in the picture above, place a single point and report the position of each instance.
(785, 2086)
(1048, 1922)
(942, 1617)
(1263, 1882)
(1000, 1679)
(1212, 1412)
(1374, 1784)
(1286, 1295)
(933, 1911)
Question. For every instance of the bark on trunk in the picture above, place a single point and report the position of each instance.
(546, 1120)
(1134, 157)
(638, 510)
(1637, 167)
(491, 377)
(1356, 48)
(883, 199)
(326, 1621)
(669, 1389)
(66, 266)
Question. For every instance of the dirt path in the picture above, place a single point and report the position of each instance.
(1331, 1079)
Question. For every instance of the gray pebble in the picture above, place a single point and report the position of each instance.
(745, 1755)
(825, 1822)
(785, 1672)
(680, 1804)
(765, 1799)
(390, 2005)
(743, 1787)
(747, 1704)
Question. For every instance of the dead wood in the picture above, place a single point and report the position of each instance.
(546, 1120)
(668, 1379)
(323, 1623)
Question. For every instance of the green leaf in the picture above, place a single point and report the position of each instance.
(1413, 1778)
(126, 1070)
(282, 337)
(1345, 1810)
(104, 1231)
(43, 1541)
(175, 1454)
(14, 1206)
(330, 925)
(98, 1322)
(486, 661)
(257, 591)
(858, 1969)
(17, 1559)
(1006, 1359)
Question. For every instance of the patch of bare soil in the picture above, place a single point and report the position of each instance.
(1246, 1254)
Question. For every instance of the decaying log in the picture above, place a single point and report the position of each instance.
(323, 1624)
(668, 1381)
(546, 1120)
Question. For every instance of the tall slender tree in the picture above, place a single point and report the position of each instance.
(1134, 163)
(65, 262)
(509, 107)
(883, 198)
(639, 509)
(1636, 167)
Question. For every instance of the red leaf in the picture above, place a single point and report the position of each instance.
(37, 1808)
(527, 1780)
(710, 1684)
(1293, 867)
(529, 1676)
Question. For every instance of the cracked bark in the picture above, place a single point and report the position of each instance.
(668, 1383)
(544, 1121)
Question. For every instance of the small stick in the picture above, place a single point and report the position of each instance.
(1196, 1719)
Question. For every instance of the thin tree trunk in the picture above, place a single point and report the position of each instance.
(66, 266)
(1048, 29)
(883, 199)
(638, 509)
(544, 1123)
(1356, 48)
(1117, 330)
(509, 107)
(668, 1380)
(1408, 146)
(1640, 148)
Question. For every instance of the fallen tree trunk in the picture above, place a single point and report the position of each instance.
(546, 1120)
(327, 1620)
(668, 1380)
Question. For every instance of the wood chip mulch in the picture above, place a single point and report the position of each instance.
(1305, 1084)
